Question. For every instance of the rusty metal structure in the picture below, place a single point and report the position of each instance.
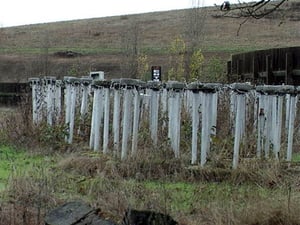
(270, 66)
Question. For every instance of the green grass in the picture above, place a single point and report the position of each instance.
(17, 161)
(296, 157)
(45, 176)
(185, 196)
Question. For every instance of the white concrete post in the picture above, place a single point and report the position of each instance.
(240, 90)
(154, 87)
(209, 117)
(106, 119)
(68, 99)
(240, 116)
(58, 100)
(126, 122)
(93, 120)
(116, 117)
(100, 114)
(271, 103)
(35, 87)
(205, 129)
(85, 87)
(50, 103)
(214, 113)
(291, 124)
(74, 90)
(260, 132)
(128, 85)
(194, 89)
(136, 117)
(175, 92)
(98, 117)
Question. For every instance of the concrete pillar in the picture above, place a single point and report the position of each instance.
(240, 91)
(175, 92)
(195, 88)
(35, 84)
(209, 117)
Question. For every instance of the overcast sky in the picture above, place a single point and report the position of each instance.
(21, 12)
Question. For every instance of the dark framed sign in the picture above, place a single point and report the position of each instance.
(156, 73)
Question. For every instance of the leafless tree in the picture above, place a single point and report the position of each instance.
(44, 62)
(195, 23)
(130, 46)
(252, 10)
(194, 34)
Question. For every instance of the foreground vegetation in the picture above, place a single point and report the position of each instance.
(38, 174)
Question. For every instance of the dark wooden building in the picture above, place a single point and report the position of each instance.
(12, 93)
(271, 66)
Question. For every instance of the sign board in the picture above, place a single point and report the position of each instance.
(156, 73)
(97, 75)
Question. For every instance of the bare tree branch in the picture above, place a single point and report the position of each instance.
(257, 10)
(253, 10)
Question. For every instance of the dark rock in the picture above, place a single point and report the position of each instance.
(68, 214)
(94, 219)
(135, 217)
(75, 213)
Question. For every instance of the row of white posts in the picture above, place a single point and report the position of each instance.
(118, 108)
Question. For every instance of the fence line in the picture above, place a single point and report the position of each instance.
(121, 106)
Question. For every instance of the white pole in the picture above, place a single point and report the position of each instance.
(98, 118)
(116, 121)
(279, 124)
(50, 100)
(58, 86)
(232, 110)
(85, 86)
(68, 98)
(170, 110)
(205, 130)
(291, 123)
(174, 113)
(126, 122)
(35, 83)
(260, 132)
(287, 114)
(72, 112)
(43, 102)
(164, 106)
(214, 112)
(94, 115)
(195, 125)
(268, 126)
(136, 120)
(239, 121)
(154, 115)
(273, 130)
(177, 123)
(164, 101)
(106, 119)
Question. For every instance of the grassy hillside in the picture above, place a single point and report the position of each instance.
(27, 51)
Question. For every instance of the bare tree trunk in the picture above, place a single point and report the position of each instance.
(194, 32)
(131, 48)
